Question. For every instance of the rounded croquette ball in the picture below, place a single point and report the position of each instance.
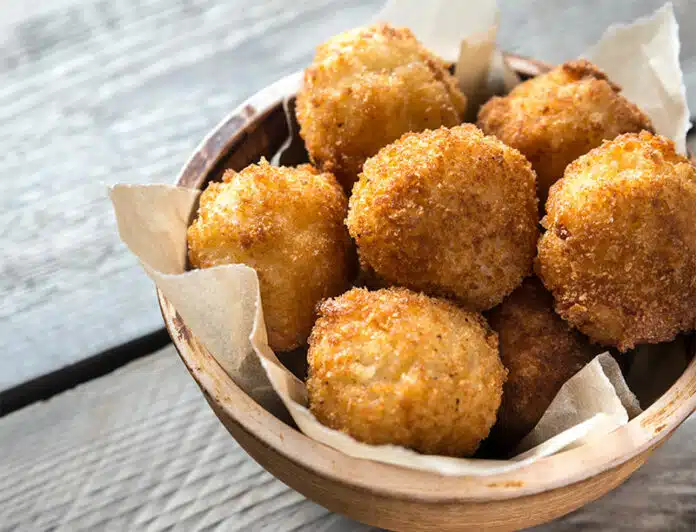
(398, 367)
(287, 224)
(367, 87)
(450, 212)
(556, 117)
(619, 252)
(540, 351)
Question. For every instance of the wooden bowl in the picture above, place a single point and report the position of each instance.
(385, 495)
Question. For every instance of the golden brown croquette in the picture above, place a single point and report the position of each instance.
(619, 252)
(286, 223)
(450, 212)
(398, 367)
(556, 117)
(367, 87)
(540, 351)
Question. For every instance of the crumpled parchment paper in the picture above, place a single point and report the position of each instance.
(222, 306)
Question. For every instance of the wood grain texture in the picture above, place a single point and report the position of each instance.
(141, 450)
(98, 91)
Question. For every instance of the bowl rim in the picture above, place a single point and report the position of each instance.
(648, 430)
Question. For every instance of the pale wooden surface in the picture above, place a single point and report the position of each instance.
(98, 92)
(140, 450)
(104, 91)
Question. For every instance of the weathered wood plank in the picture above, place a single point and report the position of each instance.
(98, 91)
(660, 496)
(136, 450)
(141, 450)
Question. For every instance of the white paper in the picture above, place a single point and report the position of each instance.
(597, 392)
(442, 25)
(553, 441)
(462, 33)
(222, 306)
(643, 58)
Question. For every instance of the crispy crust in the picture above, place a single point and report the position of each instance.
(619, 253)
(394, 366)
(367, 87)
(540, 351)
(287, 223)
(450, 212)
(555, 118)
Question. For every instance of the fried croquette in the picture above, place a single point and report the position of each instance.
(367, 87)
(619, 252)
(287, 224)
(556, 117)
(450, 212)
(399, 367)
(540, 351)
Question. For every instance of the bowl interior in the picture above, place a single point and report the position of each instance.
(260, 128)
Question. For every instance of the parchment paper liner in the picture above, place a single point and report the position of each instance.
(222, 305)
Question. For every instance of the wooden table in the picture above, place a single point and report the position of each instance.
(97, 92)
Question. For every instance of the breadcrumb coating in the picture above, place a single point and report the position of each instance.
(556, 117)
(398, 367)
(450, 212)
(287, 224)
(540, 351)
(367, 87)
(619, 253)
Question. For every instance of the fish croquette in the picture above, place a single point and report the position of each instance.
(619, 251)
(556, 117)
(398, 367)
(367, 87)
(450, 212)
(287, 224)
(540, 351)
